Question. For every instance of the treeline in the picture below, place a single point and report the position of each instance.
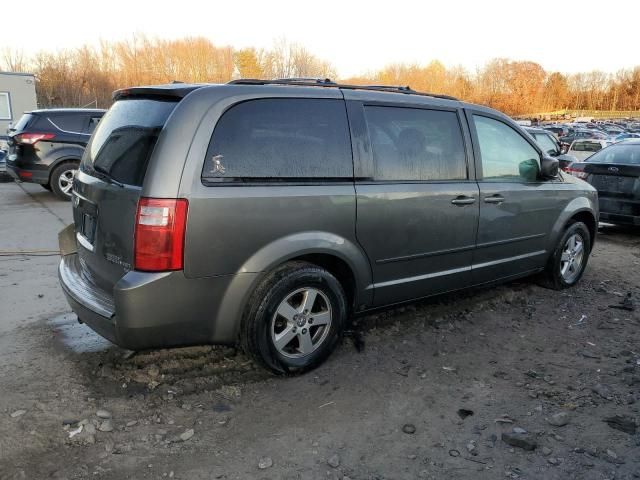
(87, 76)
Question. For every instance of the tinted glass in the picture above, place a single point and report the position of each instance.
(24, 121)
(93, 123)
(414, 144)
(506, 155)
(69, 122)
(281, 139)
(586, 147)
(545, 142)
(125, 137)
(625, 154)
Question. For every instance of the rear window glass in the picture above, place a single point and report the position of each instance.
(586, 147)
(125, 137)
(624, 154)
(24, 121)
(280, 139)
(414, 144)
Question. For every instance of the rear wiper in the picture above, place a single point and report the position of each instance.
(106, 176)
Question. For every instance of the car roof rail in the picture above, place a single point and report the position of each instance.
(327, 82)
(284, 81)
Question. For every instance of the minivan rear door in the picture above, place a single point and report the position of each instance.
(109, 183)
(417, 199)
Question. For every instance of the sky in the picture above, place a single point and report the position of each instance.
(357, 36)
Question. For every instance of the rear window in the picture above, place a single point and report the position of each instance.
(586, 147)
(124, 139)
(24, 121)
(280, 139)
(624, 154)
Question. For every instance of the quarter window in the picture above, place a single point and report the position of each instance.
(281, 139)
(506, 155)
(411, 144)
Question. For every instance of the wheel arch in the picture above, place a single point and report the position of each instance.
(581, 209)
(60, 160)
(341, 257)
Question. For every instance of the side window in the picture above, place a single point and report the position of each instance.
(412, 144)
(93, 123)
(281, 139)
(506, 155)
(68, 122)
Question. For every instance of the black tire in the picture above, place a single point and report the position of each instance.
(46, 186)
(552, 276)
(57, 172)
(260, 317)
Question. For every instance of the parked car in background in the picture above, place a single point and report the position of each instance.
(558, 130)
(227, 213)
(46, 146)
(583, 149)
(615, 172)
(550, 145)
(625, 136)
(581, 133)
(4, 176)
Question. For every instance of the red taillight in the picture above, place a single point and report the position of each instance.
(577, 172)
(159, 234)
(33, 138)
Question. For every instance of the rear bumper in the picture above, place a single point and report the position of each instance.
(157, 310)
(28, 175)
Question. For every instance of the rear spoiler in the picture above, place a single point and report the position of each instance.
(167, 91)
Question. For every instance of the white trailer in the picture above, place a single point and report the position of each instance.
(17, 95)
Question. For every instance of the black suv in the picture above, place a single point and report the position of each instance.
(46, 146)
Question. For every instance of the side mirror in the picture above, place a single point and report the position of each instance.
(529, 170)
(549, 167)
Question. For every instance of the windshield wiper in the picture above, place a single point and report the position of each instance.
(106, 176)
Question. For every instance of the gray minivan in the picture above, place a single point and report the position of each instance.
(266, 213)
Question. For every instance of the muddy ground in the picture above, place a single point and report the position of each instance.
(430, 395)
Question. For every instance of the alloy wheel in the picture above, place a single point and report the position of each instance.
(301, 322)
(572, 257)
(65, 181)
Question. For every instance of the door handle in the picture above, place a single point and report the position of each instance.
(494, 199)
(463, 200)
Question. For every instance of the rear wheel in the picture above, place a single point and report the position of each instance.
(569, 260)
(61, 180)
(295, 318)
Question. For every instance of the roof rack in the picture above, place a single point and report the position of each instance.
(327, 82)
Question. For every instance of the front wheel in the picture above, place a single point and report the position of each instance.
(61, 180)
(295, 318)
(569, 260)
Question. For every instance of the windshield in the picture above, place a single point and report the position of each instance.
(624, 154)
(124, 139)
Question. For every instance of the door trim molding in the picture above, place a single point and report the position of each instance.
(417, 256)
(399, 281)
(448, 251)
(510, 240)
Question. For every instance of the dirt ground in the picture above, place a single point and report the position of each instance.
(430, 395)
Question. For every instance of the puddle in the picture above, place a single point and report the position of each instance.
(75, 336)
